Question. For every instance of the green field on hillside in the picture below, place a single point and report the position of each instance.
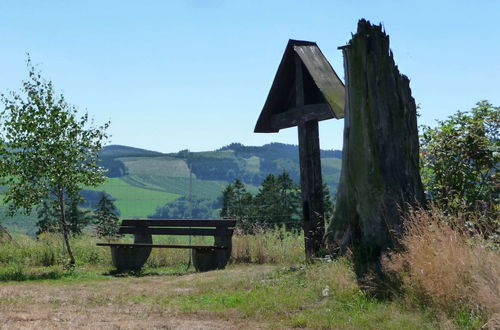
(163, 166)
(133, 201)
(210, 189)
(333, 164)
(19, 223)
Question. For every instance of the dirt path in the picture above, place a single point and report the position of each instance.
(117, 303)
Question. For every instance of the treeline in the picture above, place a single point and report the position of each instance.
(277, 203)
(104, 216)
(115, 168)
(188, 208)
(274, 158)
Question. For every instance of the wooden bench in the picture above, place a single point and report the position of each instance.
(132, 256)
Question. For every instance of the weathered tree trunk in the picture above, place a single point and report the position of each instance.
(380, 174)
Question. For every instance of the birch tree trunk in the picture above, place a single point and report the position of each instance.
(65, 227)
(380, 171)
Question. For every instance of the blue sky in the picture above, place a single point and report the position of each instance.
(172, 75)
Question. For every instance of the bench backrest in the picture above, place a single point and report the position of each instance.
(192, 227)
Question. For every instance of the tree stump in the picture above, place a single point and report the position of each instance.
(380, 171)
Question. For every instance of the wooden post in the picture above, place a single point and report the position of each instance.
(310, 175)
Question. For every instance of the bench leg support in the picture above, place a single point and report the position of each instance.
(205, 260)
(126, 258)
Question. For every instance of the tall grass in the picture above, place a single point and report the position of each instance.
(276, 246)
(265, 246)
(48, 250)
(444, 267)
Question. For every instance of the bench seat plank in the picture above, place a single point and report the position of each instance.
(179, 223)
(176, 246)
(176, 231)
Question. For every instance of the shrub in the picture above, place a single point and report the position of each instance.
(460, 162)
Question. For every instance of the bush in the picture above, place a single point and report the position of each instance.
(459, 165)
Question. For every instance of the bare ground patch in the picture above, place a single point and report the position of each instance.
(117, 303)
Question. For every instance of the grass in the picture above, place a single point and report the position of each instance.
(443, 268)
(210, 189)
(19, 223)
(447, 281)
(252, 164)
(254, 295)
(133, 201)
(294, 296)
(161, 166)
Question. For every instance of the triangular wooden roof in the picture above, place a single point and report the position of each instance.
(323, 90)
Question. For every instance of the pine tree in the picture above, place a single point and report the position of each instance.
(48, 220)
(290, 201)
(76, 217)
(237, 203)
(48, 216)
(107, 221)
(278, 201)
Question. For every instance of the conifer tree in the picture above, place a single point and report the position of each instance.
(76, 217)
(278, 201)
(47, 219)
(48, 216)
(107, 221)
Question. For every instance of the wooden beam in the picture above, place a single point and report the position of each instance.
(312, 188)
(310, 175)
(175, 231)
(164, 246)
(179, 223)
(301, 114)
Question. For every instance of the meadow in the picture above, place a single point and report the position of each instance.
(133, 200)
(266, 285)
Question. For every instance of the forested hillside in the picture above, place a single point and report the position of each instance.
(133, 171)
(142, 181)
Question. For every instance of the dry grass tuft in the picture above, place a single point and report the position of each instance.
(442, 267)
(275, 246)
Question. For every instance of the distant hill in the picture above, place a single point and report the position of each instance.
(211, 171)
(124, 151)
(142, 180)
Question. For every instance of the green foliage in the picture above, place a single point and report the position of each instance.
(115, 168)
(76, 217)
(277, 203)
(107, 222)
(185, 208)
(48, 219)
(150, 180)
(236, 202)
(47, 151)
(459, 163)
